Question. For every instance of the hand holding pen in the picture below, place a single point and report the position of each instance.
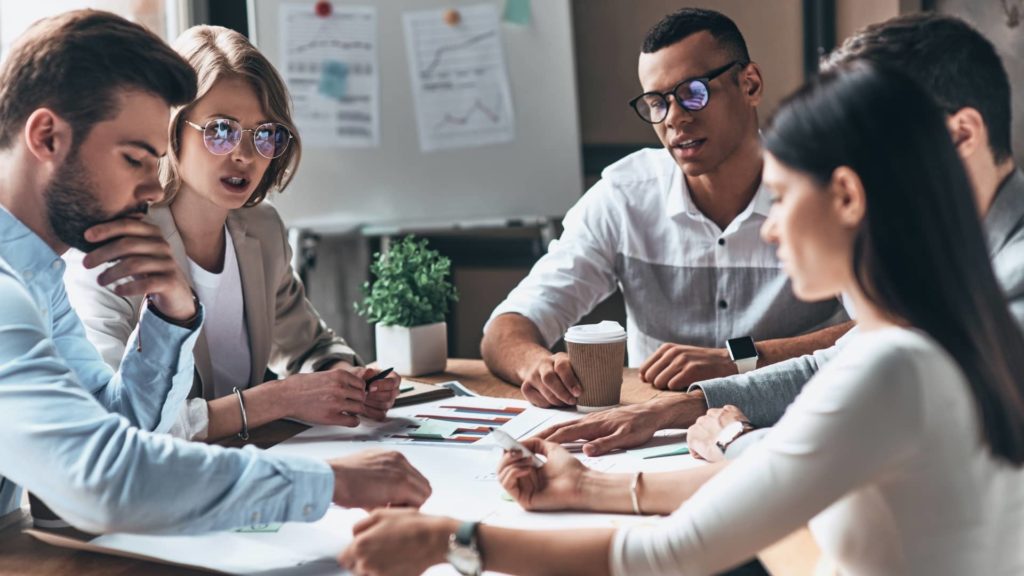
(381, 391)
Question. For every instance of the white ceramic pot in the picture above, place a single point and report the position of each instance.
(413, 351)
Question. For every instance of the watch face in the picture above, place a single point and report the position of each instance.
(464, 560)
(741, 348)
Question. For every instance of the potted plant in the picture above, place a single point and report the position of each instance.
(407, 301)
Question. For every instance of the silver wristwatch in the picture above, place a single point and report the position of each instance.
(463, 552)
(729, 434)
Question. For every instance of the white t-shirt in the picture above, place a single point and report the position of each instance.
(882, 452)
(226, 334)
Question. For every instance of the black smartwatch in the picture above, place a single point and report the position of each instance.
(743, 353)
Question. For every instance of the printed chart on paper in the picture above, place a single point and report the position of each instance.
(459, 78)
(330, 66)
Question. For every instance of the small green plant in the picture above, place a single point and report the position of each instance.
(410, 286)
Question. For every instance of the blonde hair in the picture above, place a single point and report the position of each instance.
(215, 53)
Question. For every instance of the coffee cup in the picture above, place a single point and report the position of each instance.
(597, 353)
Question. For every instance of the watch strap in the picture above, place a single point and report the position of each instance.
(729, 434)
(466, 534)
(746, 364)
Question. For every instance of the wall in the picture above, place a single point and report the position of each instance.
(608, 38)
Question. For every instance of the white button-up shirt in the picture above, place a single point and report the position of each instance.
(684, 279)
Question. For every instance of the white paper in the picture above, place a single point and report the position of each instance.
(330, 66)
(312, 547)
(459, 78)
(463, 480)
(401, 419)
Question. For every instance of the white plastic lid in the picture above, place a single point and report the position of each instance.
(601, 333)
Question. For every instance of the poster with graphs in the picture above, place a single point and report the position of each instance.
(330, 65)
(459, 78)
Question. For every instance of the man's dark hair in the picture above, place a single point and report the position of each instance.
(954, 63)
(688, 21)
(921, 258)
(76, 63)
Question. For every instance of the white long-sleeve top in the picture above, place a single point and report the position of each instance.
(882, 452)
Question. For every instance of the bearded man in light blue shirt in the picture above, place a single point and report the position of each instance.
(84, 107)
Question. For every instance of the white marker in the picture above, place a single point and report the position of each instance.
(510, 444)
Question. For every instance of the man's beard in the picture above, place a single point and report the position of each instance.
(72, 206)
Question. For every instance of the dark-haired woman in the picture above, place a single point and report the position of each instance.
(904, 453)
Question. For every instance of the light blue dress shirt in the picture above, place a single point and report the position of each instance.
(79, 435)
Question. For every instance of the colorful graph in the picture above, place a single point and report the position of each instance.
(460, 82)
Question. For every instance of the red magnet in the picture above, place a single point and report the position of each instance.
(323, 8)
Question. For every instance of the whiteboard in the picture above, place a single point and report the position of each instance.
(538, 174)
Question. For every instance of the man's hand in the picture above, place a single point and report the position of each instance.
(676, 366)
(377, 478)
(397, 543)
(702, 436)
(622, 427)
(628, 426)
(551, 382)
(143, 258)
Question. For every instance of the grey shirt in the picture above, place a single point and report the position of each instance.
(684, 280)
(763, 395)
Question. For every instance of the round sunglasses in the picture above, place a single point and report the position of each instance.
(692, 94)
(222, 135)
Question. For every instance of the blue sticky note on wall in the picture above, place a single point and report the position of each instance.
(517, 11)
(334, 79)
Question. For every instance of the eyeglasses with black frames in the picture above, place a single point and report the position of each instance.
(692, 94)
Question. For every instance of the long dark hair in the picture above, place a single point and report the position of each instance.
(919, 254)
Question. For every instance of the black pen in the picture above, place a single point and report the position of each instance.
(377, 376)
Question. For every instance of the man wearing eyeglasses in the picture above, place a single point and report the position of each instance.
(677, 230)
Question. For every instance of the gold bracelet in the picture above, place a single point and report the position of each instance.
(634, 487)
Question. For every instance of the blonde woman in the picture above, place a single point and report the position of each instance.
(228, 149)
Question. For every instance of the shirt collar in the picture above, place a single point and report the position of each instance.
(1006, 212)
(25, 251)
(679, 201)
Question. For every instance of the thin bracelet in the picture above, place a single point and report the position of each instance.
(244, 434)
(633, 489)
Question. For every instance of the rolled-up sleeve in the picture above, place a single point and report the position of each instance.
(154, 375)
(102, 474)
(576, 274)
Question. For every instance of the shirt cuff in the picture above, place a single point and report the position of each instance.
(716, 391)
(740, 445)
(194, 421)
(313, 482)
(158, 334)
(335, 354)
(549, 330)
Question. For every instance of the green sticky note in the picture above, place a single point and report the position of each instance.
(435, 430)
(272, 527)
(676, 449)
(517, 12)
(334, 79)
